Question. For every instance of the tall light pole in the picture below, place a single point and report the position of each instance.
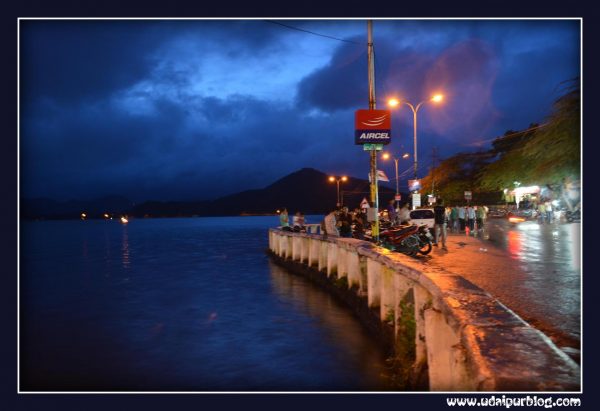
(372, 106)
(395, 102)
(337, 180)
(387, 156)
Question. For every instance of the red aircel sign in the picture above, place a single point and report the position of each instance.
(373, 127)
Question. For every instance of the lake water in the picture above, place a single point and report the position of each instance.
(179, 305)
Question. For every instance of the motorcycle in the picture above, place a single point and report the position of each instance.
(404, 239)
(425, 239)
(573, 216)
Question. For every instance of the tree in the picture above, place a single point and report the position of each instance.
(554, 151)
(457, 174)
(548, 156)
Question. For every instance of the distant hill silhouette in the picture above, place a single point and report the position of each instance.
(306, 190)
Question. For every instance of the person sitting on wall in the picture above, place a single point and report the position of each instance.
(298, 222)
(284, 220)
(359, 220)
(330, 225)
(346, 223)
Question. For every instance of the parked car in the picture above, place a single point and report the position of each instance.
(423, 216)
(497, 213)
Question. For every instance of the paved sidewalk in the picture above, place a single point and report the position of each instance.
(494, 270)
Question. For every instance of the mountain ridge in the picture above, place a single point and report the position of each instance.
(307, 190)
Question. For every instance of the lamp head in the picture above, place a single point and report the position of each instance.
(393, 102)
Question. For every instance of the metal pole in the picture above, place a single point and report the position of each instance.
(415, 139)
(397, 191)
(371, 70)
(338, 192)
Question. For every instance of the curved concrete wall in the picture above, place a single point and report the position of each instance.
(468, 340)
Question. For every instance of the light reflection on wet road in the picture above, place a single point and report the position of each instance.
(548, 294)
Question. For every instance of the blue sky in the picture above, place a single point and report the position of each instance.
(196, 109)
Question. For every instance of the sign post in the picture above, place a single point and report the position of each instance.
(416, 200)
(372, 131)
(372, 127)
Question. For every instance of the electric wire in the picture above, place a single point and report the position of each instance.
(312, 32)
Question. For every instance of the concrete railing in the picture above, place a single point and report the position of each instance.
(463, 337)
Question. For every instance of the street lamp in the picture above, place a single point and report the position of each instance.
(393, 102)
(386, 156)
(337, 180)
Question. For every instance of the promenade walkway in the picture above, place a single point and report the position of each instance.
(508, 280)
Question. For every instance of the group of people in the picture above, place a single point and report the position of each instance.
(461, 218)
(345, 223)
(342, 222)
(298, 221)
(399, 215)
(545, 212)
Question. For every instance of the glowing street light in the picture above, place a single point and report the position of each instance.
(337, 180)
(387, 156)
(394, 102)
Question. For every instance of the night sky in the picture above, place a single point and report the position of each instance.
(196, 109)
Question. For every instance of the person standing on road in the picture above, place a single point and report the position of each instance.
(439, 212)
(541, 212)
(480, 214)
(404, 214)
(392, 212)
(461, 218)
(454, 219)
(549, 213)
(471, 218)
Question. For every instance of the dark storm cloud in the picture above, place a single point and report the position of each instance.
(203, 149)
(339, 85)
(73, 60)
(70, 61)
(193, 110)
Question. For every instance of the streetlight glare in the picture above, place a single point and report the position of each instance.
(405, 155)
(437, 98)
(385, 156)
(332, 179)
(344, 178)
(393, 102)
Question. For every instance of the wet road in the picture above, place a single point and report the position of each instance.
(549, 254)
(534, 269)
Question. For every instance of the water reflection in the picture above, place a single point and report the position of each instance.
(339, 327)
(514, 243)
(548, 292)
(575, 245)
(125, 248)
